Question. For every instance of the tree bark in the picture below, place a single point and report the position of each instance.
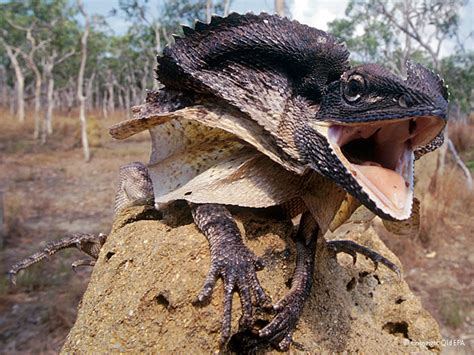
(226, 7)
(47, 125)
(37, 99)
(461, 164)
(3, 86)
(48, 67)
(48, 119)
(105, 112)
(110, 91)
(127, 101)
(80, 84)
(20, 81)
(209, 9)
(2, 219)
(89, 89)
(280, 7)
(144, 80)
(70, 98)
(32, 63)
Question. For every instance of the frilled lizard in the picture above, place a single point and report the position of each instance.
(259, 111)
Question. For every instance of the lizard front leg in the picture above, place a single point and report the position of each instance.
(232, 261)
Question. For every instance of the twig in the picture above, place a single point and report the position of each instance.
(461, 164)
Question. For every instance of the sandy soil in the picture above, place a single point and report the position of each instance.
(49, 192)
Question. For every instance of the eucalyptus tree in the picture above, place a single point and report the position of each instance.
(13, 42)
(392, 31)
(81, 97)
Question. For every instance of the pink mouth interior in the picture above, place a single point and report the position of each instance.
(380, 157)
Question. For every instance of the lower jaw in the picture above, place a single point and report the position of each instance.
(390, 190)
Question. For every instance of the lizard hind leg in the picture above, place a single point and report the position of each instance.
(288, 309)
(232, 261)
(82, 262)
(86, 242)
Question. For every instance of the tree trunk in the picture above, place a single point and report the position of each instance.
(49, 105)
(47, 127)
(105, 112)
(127, 101)
(97, 95)
(461, 164)
(144, 80)
(209, 9)
(280, 7)
(70, 99)
(37, 102)
(133, 87)
(2, 224)
(111, 94)
(3, 86)
(89, 90)
(80, 84)
(120, 100)
(20, 81)
(226, 7)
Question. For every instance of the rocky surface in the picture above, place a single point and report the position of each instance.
(141, 293)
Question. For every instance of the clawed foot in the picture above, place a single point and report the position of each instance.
(288, 310)
(280, 329)
(82, 262)
(85, 242)
(352, 248)
(237, 266)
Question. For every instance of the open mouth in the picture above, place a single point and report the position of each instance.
(380, 158)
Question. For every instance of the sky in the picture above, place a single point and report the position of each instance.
(316, 13)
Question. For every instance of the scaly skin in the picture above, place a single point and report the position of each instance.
(252, 110)
(231, 260)
(88, 243)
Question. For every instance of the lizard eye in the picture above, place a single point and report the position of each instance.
(405, 101)
(354, 88)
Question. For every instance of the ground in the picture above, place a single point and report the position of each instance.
(49, 191)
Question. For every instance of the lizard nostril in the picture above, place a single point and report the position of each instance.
(405, 101)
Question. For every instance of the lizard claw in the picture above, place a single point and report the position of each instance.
(12, 277)
(352, 248)
(237, 267)
(82, 262)
(281, 328)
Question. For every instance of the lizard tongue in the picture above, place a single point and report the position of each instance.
(388, 185)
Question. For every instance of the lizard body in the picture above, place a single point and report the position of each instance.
(259, 111)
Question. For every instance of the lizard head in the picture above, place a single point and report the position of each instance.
(373, 123)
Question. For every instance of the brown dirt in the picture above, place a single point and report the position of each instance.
(148, 274)
(50, 191)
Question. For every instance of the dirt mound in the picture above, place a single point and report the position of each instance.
(148, 274)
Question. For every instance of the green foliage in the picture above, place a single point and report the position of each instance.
(458, 71)
(126, 61)
(52, 23)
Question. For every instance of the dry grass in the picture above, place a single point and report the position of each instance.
(462, 136)
(447, 208)
(49, 192)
